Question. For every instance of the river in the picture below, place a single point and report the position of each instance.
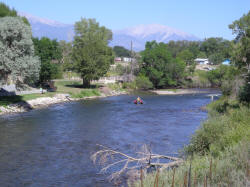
(52, 146)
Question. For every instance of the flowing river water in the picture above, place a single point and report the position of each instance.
(52, 146)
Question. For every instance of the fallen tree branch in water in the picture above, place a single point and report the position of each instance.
(121, 163)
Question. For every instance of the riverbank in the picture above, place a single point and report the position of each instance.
(42, 102)
(180, 91)
(67, 91)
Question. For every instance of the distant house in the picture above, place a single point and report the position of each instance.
(226, 62)
(118, 59)
(202, 61)
(126, 59)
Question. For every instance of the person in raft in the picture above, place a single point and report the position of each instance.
(139, 100)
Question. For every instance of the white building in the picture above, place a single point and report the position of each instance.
(202, 61)
(127, 59)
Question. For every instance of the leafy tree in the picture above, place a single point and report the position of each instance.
(17, 58)
(186, 56)
(6, 11)
(201, 54)
(241, 52)
(216, 49)
(66, 61)
(91, 53)
(176, 47)
(159, 66)
(121, 51)
(143, 82)
(49, 51)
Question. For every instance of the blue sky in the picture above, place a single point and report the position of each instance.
(203, 18)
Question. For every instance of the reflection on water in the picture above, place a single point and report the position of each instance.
(52, 147)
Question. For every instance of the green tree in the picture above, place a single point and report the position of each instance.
(6, 11)
(91, 53)
(121, 51)
(160, 67)
(241, 52)
(17, 59)
(50, 54)
(216, 49)
(143, 82)
(66, 61)
(186, 56)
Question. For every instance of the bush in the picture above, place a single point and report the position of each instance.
(221, 131)
(129, 85)
(245, 91)
(143, 82)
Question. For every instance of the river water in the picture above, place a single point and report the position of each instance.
(52, 146)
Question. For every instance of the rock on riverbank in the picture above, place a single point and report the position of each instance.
(34, 103)
(41, 102)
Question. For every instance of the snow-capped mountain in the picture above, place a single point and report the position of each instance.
(139, 35)
(49, 28)
(142, 33)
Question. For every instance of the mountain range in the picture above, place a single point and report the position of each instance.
(139, 34)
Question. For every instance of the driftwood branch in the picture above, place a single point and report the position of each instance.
(121, 163)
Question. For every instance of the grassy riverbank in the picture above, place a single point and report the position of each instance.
(218, 152)
(67, 90)
(73, 88)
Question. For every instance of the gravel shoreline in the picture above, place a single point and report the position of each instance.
(42, 102)
(181, 91)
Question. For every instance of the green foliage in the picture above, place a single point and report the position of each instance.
(119, 70)
(86, 93)
(129, 85)
(5, 11)
(176, 47)
(66, 48)
(221, 131)
(7, 100)
(245, 90)
(216, 49)
(241, 52)
(121, 51)
(91, 53)
(201, 54)
(186, 56)
(228, 169)
(17, 58)
(159, 66)
(49, 51)
(222, 75)
(143, 82)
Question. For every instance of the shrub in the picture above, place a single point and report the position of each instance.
(143, 82)
(221, 131)
(245, 91)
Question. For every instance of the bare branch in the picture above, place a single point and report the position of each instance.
(109, 158)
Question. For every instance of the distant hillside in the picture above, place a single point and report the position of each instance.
(139, 34)
(142, 33)
(49, 28)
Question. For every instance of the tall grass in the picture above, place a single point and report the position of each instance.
(218, 153)
(86, 93)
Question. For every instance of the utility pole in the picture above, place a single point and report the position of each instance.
(131, 61)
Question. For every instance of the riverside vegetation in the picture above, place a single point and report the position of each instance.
(218, 153)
